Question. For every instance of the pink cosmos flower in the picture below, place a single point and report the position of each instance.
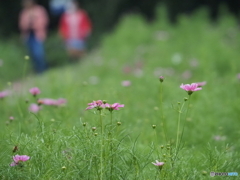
(18, 159)
(126, 83)
(114, 106)
(190, 88)
(200, 84)
(34, 91)
(52, 102)
(157, 163)
(96, 104)
(46, 101)
(34, 108)
(3, 94)
(11, 118)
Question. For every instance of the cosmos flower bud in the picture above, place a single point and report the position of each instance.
(119, 123)
(94, 128)
(153, 126)
(161, 78)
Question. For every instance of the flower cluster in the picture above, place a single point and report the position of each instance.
(99, 105)
(35, 107)
(18, 159)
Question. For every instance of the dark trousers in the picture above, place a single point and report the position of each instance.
(37, 53)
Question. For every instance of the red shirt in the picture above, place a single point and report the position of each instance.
(75, 25)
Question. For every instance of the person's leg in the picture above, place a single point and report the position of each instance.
(37, 53)
(30, 46)
(39, 56)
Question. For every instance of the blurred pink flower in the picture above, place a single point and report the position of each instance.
(11, 118)
(3, 94)
(187, 74)
(158, 163)
(126, 83)
(114, 106)
(34, 91)
(238, 76)
(127, 69)
(34, 108)
(190, 88)
(200, 84)
(52, 102)
(96, 104)
(19, 158)
(139, 65)
(47, 101)
(61, 101)
(219, 138)
(194, 62)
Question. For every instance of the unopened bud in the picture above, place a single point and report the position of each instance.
(84, 124)
(185, 99)
(94, 128)
(64, 168)
(104, 101)
(119, 123)
(161, 78)
(161, 146)
(153, 126)
(95, 134)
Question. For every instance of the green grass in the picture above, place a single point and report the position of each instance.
(191, 51)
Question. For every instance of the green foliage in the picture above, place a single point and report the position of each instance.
(191, 51)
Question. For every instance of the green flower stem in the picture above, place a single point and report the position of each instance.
(102, 145)
(184, 120)
(111, 146)
(178, 126)
(155, 132)
(162, 115)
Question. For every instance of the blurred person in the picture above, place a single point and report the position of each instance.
(33, 23)
(75, 27)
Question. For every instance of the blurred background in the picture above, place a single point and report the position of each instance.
(104, 15)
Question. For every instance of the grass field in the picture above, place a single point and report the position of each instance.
(61, 140)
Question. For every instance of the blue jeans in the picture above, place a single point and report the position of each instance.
(36, 50)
